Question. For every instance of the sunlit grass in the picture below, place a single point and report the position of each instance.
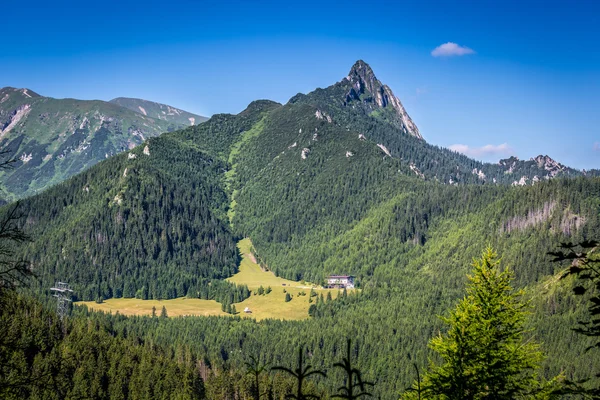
(271, 305)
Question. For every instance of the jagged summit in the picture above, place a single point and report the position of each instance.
(361, 71)
(549, 164)
(361, 93)
(365, 87)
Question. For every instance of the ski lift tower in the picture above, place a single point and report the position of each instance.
(62, 292)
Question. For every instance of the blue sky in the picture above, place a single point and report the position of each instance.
(530, 85)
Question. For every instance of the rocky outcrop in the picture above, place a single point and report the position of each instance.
(365, 87)
(14, 118)
(548, 164)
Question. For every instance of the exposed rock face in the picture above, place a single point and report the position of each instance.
(304, 153)
(479, 173)
(547, 163)
(384, 149)
(416, 170)
(367, 88)
(509, 164)
(520, 182)
(14, 118)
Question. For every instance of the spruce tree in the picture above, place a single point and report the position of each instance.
(163, 312)
(485, 352)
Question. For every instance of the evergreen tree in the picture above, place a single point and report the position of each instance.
(354, 387)
(255, 369)
(153, 312)
(163, 312)
(585, 267)
(485, 352)
(288, 297)
(300, 374)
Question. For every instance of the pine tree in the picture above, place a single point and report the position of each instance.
(354, 388)
(153, 312)
(485, 353)
(300, 374)
(288, 297)
(163, 312)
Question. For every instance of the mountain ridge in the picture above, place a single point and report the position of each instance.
(159, 111)
(53, 139)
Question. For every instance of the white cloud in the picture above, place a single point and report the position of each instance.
(597, 146)
(451, 49)
(421, 91)
(484, 151)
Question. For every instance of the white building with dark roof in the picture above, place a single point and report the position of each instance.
(340, 281)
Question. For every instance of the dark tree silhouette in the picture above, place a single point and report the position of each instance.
(255, 368)
(300, 374)
(584, 259)
(14, 272)
(354, 379)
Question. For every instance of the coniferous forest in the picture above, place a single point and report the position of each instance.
(466, 287)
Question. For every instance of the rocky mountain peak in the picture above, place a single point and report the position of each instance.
(366, 88)
(547, 163)
(362, 74)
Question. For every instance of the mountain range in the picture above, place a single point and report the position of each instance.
(53, 139)
(336, 181)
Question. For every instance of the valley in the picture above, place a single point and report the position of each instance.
(270, 305)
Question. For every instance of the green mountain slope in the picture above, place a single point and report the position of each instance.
(336, 181)
(54, 139)
(148, 223)
(159, 111)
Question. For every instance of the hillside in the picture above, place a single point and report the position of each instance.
(53, 139)
(336, 181)
(159, 111)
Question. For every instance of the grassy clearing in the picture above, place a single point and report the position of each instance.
(272, 305)
(236, 148)
(175, 307)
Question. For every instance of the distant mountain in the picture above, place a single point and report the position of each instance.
(159, 111)
(54, 139)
